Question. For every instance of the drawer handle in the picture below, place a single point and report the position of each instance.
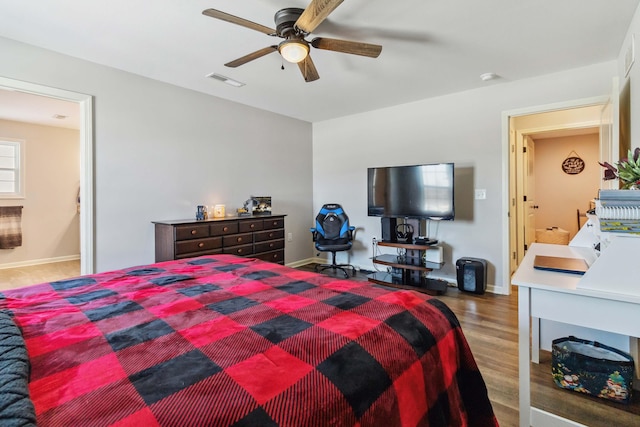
(194, 232)
(270, 234)
(270, 245)
(201, 245)
(239, 239)
(275, 223)
(252, 226)
(275, 256)
(225, 229)
(239, 251)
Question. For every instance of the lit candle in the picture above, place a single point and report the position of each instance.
(218, 211)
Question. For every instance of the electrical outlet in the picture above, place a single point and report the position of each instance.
(481, 194)
(289, 237)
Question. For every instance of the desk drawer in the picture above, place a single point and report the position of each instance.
(197, 245)
(242, 250)
(185, 232)
(262, 236)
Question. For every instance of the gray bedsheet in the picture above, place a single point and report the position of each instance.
(16, 408)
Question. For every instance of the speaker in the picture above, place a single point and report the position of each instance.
(472, 275)
(389, 229)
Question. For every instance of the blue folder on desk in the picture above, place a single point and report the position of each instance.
(561, 264)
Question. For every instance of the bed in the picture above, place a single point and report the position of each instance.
(227, 341)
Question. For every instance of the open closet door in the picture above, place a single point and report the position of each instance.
(610, 131)
(530, 192)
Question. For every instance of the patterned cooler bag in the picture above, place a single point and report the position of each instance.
(592, 368)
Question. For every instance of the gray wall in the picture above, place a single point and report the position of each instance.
(161, 150)
(465, 128)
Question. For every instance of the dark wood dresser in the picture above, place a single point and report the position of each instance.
(259, 237)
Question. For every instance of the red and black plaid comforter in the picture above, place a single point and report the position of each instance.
(222, 341)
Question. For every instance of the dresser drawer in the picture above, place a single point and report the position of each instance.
(250, 225)
(262, 236)
(185, 232)
(198, 245)
(242, 250)
(223, 228)
(276, 256)
(272, 223)
(194, 254)
(269, 246)
(237, 239)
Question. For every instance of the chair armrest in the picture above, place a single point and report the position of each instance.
(352, 232)
(314, 233)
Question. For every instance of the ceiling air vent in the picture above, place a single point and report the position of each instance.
(226, 80)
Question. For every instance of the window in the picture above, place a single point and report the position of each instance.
(11, 169)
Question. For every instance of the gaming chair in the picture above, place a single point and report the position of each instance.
(333, 233)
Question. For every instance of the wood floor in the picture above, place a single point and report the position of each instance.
(490, 324)
(22, 276)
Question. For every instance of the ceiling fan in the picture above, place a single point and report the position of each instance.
(293, 25)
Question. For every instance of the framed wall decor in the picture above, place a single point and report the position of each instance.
(573, 165)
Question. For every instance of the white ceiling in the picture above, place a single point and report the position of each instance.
(430, 47)
(25, 107)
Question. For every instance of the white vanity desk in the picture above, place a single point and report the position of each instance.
(607, 298)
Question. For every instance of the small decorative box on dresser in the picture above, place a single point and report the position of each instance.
(259, 237)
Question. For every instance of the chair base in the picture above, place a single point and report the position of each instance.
(334, 267)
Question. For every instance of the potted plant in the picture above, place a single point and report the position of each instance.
(627, 170)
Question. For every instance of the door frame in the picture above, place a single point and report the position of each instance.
(85, 103)
(510, 178)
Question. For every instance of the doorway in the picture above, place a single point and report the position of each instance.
(521, 129)
(86, 187)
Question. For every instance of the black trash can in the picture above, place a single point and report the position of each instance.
(472, 275)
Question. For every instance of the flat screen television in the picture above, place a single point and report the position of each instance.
(418, 191)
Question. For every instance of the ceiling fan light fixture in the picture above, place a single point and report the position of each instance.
(294, 50)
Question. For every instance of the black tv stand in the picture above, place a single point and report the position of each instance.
(410, 269)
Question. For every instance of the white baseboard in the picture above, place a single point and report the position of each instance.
(39, 261)
(302, 262)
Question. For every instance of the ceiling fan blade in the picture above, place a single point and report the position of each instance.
(308, 69)
(239, 21)
(250, 57)
(344, 46)
(315, 13)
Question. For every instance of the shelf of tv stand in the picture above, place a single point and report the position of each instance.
(395, 261)
(412, 272)
(406, 245)
(426, 285)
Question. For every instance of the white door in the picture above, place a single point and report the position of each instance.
(525, 194)
(530, 206)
